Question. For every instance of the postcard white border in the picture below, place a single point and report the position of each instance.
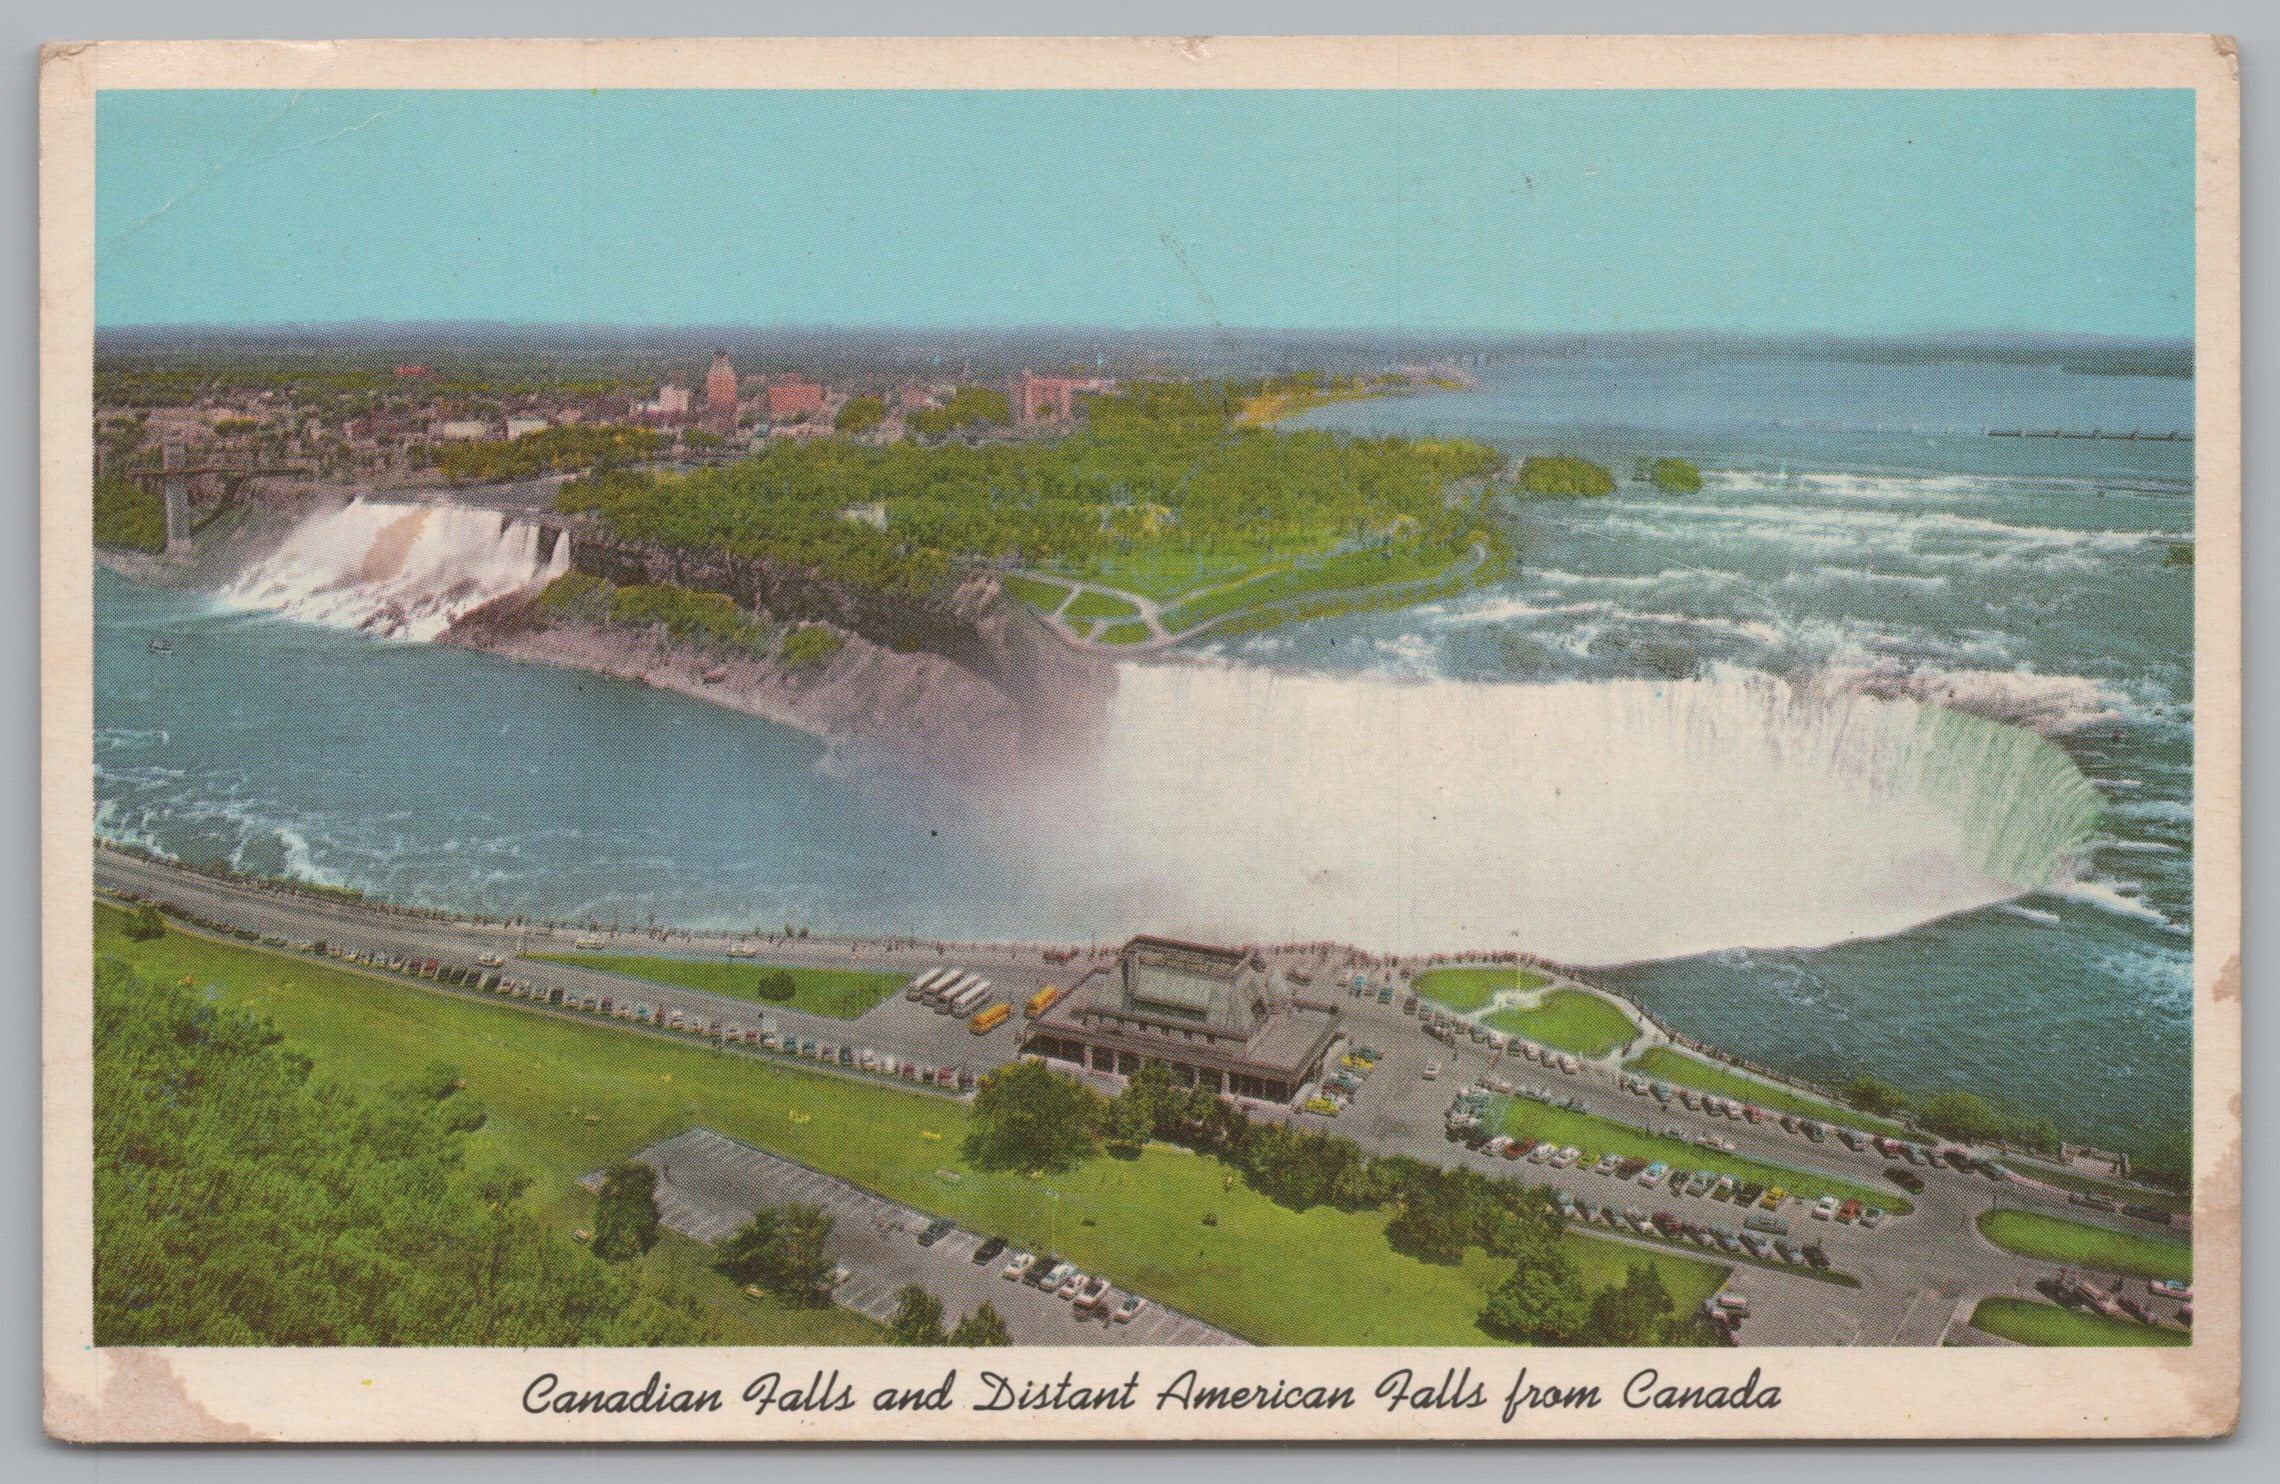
(190, 1394)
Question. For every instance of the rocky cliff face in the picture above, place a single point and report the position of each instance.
(1057, 695)
(969, 685)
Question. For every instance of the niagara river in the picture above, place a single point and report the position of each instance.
(1873, 754)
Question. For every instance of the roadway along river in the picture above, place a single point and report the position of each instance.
(1920, 1274)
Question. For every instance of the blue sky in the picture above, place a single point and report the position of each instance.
(1775, 212)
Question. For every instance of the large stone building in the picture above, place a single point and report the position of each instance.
(720, 385)
(1213, 1015)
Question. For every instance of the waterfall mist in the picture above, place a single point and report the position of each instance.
(1589, 822)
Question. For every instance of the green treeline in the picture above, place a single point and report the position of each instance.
(1158, 468)
(575, 446)
(244, 1198)
(687, 614)
(129, 515)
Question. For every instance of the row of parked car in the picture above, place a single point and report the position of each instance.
(2077, 1289)
(1753, 1241)
(1336, 1091)
(1089, 1295)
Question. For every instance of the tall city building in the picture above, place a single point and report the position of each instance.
(720, 384)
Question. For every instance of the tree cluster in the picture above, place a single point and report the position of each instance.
(574, 446)
(241, 1198)
(1177, 485)
(917, 1320)
(781, 1250)
(1559, 476)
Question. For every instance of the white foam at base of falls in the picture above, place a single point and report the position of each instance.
(1592, 822)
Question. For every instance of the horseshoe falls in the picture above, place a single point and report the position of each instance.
(1589, 822)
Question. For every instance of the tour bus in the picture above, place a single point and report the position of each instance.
(990, 1017)
(941, 993)
(1041, 1001)
(925, 982)
(970, 998)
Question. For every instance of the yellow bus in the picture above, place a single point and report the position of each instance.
(990, 1017)
(1041, 1001)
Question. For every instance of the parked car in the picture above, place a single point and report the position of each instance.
(1606, 1164)
(1654, 1173)
(1815, 1255)
(1788, 1250)
(1432, 1071)
(1772, 1199)
(1872, 1217)
(2153, 1214)
(1565, 1157)
(1094, 1295)
(1825, 1209)
(1071, 1286)
(1906, 1179)
(1131, 1309)
(1772, 1225)
(988, 1251)
(1020, 1266)
(1850, 1211)
(2171, 1288)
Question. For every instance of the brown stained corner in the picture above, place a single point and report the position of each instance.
(143, 1402)
(2228, 47)
(1194, 48)
(2227, 985)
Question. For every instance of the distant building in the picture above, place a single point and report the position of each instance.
(1038, 399)
(1212, 1015)
(461, 429)
(410, 372)
(720, 385)
(518, 426)
(791, 397)
(871, 513)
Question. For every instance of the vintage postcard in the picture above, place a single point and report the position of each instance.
(1403, 739)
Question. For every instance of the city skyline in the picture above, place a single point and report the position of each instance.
(1440, 213)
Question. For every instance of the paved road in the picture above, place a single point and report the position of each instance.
(1918, 1272)
(710, 1184)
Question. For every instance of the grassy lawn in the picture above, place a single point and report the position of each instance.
(1090, 604)
(1569, 1019)
(845, 993)
(1163, 571)
(1465, 990)
(1123, 633)
(371, 1035)
(566, 1096)
(1666, 1065)
(2030, 1323)
(2054, 1238)
(1597, 1136)
(1045, 596)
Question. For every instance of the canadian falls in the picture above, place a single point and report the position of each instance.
(399, 570)
(1587, 822)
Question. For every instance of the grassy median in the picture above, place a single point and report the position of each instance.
(566, 1096)
(2027, 1322)
(1568, 1019)
(2056, 1239)
(846, 993)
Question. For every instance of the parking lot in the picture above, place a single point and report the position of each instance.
(709, 1184)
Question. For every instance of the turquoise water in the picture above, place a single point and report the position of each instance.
(1857, 531)
(1858, 536)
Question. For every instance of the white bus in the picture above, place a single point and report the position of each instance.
(949, 989)
(970, 998)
